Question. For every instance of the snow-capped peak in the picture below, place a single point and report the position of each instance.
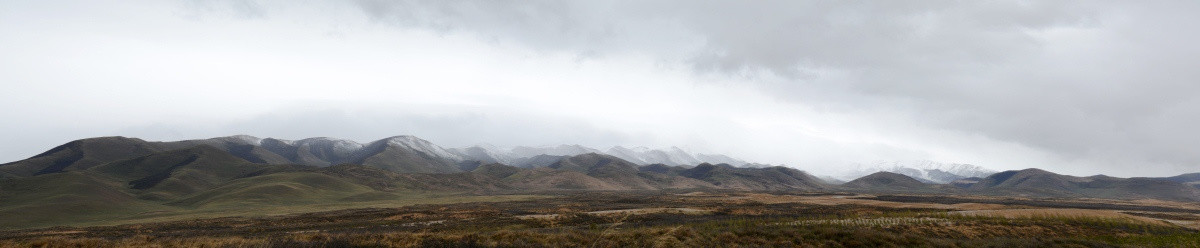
(923, 170)
(670, 156)
(423, 146)
(485, 153)
(245, 139)
(337, 145)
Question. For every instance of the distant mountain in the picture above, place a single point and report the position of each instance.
(176, 173)
(966, 182)
(485, 154)
(925, 171)
(169, 170)
(561, 150)
(1040, 183)
(79, 155)
(115, 177)
(720, 159)
(888, 181)
(831, 180)
(771, 178)
(313, 151)
(496, 170)
(638, 155)
(672, 156)
(1192, 179)
(404, 154)
(407, 154)
(537, 161)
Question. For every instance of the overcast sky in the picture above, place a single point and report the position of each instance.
(1076, 87)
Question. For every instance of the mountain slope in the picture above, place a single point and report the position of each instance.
(605, 167)
(484, 153)
(888, 181)
(65, 198)
(925, 171)
(276, 189)
(313, 151)
(406, 154)
(1040, 183)
(673, 156)
(561, 150)
(79, 155)
(1192, 179)
(771, 178)
(172, 174)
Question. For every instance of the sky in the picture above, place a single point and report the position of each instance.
(1074, 87)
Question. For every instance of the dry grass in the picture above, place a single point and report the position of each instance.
(625, 219)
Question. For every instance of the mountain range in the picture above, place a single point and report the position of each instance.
(923, 170)
(109, 177)
(638, 155)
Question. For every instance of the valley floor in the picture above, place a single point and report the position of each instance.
(668, 219)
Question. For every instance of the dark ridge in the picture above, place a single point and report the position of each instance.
(150, 181)
(496, 170)
(699, 171)
(1185, 178)
(255, 173)
(62, 163)
(1002, 176)
(469, 165)
(363, 154)
(284, 150)
(1035, 203)
(68, 145)
(656, 168)
(246, 151)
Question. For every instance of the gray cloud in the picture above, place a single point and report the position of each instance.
(1074, 86)
(1101, 83)
(450, 126)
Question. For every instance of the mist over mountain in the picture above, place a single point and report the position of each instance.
(397, 154)
(1040, 183)
(887, 181)
(522, 155)
(169, 170)
(120, 176)
(925, 171)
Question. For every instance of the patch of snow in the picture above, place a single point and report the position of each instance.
(423, 146)
(924, 170)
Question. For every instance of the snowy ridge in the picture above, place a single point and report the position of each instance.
(673, 156)
(337, 145)
(245, 139)
(322, 151)
(423, 146)
(484, 153)
(560, 150)
(923, 170)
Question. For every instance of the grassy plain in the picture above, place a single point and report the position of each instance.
(648, 219)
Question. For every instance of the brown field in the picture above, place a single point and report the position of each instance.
(672, 219)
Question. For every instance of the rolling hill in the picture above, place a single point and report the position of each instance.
(888, 182)
(1041, 183)
(100, 180)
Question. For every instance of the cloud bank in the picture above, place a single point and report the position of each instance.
(1079, 87)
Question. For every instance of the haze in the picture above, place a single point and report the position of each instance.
(1075, 87)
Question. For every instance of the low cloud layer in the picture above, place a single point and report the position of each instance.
(1108, 83)
(1080, 87)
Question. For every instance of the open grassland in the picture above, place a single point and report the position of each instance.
(77, 199)
(159, 213)
(644, 219)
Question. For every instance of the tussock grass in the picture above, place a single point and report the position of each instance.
(729, 224)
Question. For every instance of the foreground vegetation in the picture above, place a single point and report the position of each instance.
(629, 220)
